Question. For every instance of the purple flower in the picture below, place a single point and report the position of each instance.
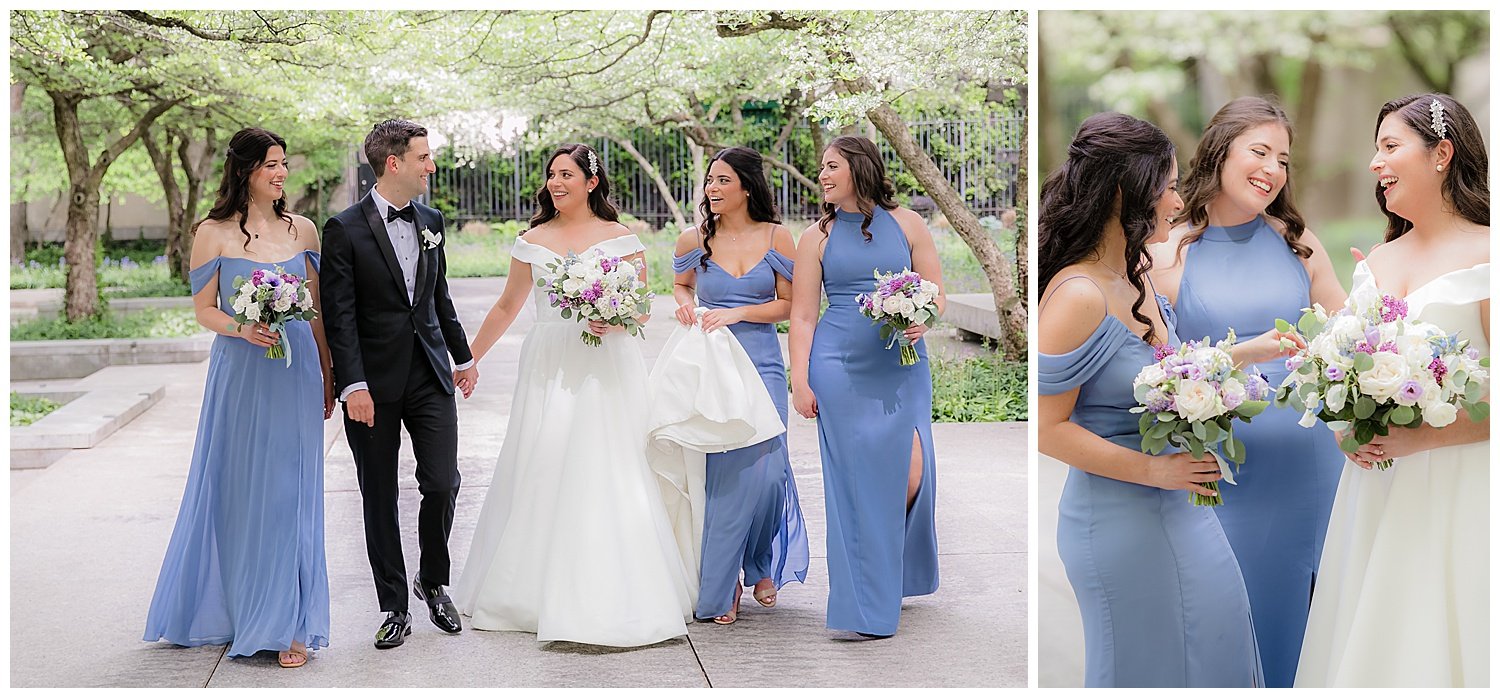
(1257, 387)
(160, 259)
(1472, 353)
(1372, 336)
(1411, 391)
(1234, 400)
(1164, 350)
(608, 264)
(1388, 346)
(1363, 347)
(1334, 373)
(1438, 369)
(1157, 401)
(552, 298)
(1392, 309)
(1190, 371)
(1294, 362)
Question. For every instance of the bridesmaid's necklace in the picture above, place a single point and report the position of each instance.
(1112, 270)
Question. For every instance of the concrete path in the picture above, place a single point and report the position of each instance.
(1059, 641)
(88, 534)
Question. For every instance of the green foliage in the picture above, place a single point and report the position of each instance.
(174, 322)
(982, 388)
(138, 272)
(27, 409)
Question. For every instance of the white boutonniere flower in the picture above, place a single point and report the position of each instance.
(431, 239)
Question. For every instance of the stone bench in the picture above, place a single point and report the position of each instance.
(974, 315)
(76, 358)
(86, 419)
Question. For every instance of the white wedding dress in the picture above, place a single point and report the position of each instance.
(573, 542)
(1402, 595)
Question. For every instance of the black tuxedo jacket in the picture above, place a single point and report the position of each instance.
(369, 320)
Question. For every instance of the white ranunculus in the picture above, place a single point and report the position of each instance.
(577, 271)
(1386, 377)
(1234, 392)
(1197, 401)
(282, 304)
(922, 299)
(929, 288)
(1439, 415)
(1151, 375)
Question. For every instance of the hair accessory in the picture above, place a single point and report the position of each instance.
(593, 164)
(1438, 124)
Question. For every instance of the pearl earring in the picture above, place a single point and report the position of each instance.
(1440, 168)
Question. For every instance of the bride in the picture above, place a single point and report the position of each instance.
(573, 542)
(1402, 596)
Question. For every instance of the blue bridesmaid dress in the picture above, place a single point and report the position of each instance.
(1276, 516)
(1161, 595)
(869, 406)
(752, 522)
(245, 565)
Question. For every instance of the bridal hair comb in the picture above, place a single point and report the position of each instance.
(594, 163)
(1438, 124)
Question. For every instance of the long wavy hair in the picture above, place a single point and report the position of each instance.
(599, 202)
(246, 153)
(1113, 158)
(871, 187)
(1466, 183)
(1204, 180)
(748, 166)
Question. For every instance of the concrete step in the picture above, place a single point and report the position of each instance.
(84, 421)
(973, 313)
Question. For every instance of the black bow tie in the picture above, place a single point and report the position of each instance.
(408, 214)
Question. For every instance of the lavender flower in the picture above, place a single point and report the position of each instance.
(1335, 373)
(1294, 362)
(1392, 309)
(1410, 391)
(1439, 369)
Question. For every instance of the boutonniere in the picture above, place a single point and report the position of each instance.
(431, 239)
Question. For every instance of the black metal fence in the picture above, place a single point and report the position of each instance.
(980, 158)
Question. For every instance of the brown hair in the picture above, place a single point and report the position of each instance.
(246, 153)
(390, 137)
(867, 172)
(593, 166)
(1202, 184)
(1466, 183)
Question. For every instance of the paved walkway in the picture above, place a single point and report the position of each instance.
(88, 534)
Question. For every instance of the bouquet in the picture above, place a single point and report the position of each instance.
(1368, 367)
(899, 301)
(275, 298)
(1191, 397)
(606, 289)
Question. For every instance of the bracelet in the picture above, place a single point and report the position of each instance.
(233, 326)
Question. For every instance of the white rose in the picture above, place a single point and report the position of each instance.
(922, 299)
(929, 288)
(1345, 330)
(571, 285)
(1440, 415)
(1151, 375)
(1197, 401)
(908, 308)
(282, 304)
(577, 271)
(891, 305)
(1233, 391)
(1385, 378)
(252, 312)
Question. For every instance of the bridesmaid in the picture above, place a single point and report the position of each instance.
(872, 411)
(1161, 595)
(245, 565)
(1242, 231)
(737, 263)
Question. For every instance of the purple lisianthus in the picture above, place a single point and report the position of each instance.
(1472, 353)
(1294, 362)
(1392, 309)
(1335, 373)
(1411, 391)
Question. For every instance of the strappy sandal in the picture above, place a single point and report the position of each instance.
(767, 596)
(734, 611)
(291, 659)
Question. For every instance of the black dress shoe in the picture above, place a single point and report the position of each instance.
(439, 606)
(393, 631)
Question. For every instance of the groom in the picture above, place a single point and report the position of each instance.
(391, 328)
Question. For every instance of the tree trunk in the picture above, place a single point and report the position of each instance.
(1007, 303)
(161, 160)
(81, 297)
(661, 184)
(1023, 207)
(19, 231)
(196, 173)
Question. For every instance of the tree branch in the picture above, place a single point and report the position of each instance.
(175, 23)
